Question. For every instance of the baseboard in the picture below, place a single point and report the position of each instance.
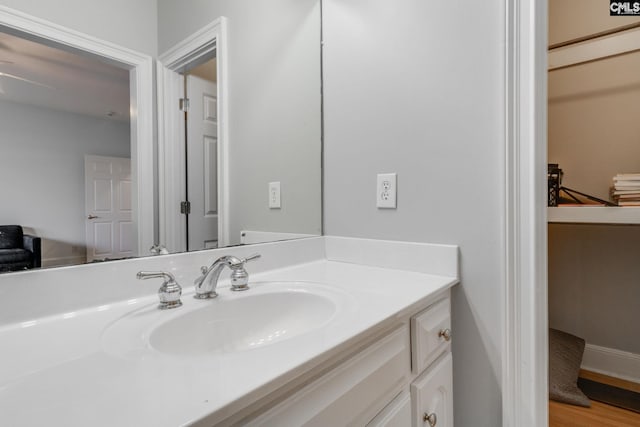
(63, 261)
(612, 362)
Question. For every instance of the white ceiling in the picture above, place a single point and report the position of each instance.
(61, 80)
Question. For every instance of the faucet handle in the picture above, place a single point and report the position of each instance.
(170, 290)
(239, 276)
(251, 258)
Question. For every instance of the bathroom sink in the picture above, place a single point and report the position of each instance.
(267, 314)
(243, 323)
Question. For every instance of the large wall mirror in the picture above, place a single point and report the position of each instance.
(245, 166)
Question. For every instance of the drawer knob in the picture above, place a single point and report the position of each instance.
(445, 333)
(431, 418)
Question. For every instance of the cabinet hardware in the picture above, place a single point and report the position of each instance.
(445, 333)
(431, 418)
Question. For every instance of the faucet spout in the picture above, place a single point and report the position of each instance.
(207, 283)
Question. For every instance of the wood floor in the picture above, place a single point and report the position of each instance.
(599, 415)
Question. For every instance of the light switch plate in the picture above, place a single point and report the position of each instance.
(274, 195)
(386, 190)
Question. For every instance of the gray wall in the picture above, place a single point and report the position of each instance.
(593, 283)
(274, 105)
(127, 23)
(42, 171)
(417, 88)
(593, 128)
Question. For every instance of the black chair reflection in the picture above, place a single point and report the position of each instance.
(18, 251)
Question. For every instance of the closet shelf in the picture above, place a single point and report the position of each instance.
(594, 215)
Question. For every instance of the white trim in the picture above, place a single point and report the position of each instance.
(249, 237)
(524, 373)
(598, 48)
(64, 261)
(171, 155)
(612, 362)
(427, 258)
(141, 91)
(594, 214)
(171, 160)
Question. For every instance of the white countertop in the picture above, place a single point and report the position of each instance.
(56, 370)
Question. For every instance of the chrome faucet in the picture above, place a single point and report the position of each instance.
(207, 283)
(170, 290)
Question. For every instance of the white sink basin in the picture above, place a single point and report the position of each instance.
(268, 313)
(243, 323)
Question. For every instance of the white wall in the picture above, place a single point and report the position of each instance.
(131, 24)
(274, 105)
(42, 172)
(417, 88)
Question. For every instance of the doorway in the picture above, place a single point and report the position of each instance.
(139, 113)
(593, 93)
(201, 151)
(108, 205)
(193, 152)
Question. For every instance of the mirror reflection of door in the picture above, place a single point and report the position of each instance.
(201, 150)
(109, 225)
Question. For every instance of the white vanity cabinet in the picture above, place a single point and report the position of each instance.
(430, 400)
(432, 390)
(350, 394)
(334, 332)
(402, 379)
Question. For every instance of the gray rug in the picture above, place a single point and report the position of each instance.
(565, 357)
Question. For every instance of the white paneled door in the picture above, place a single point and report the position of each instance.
(110, 232)
(202, 163)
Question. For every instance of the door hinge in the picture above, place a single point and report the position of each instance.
(184, 104)
(185, 208)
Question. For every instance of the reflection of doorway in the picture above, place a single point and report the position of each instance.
(108, 208)
(56, 107)
(209, 148)
(202, 154)
(138, 68)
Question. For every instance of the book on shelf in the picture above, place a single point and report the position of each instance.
(629, 203)
(627, 187)
(628, 197)
(580, 205)
(627, 176)
(623, 192)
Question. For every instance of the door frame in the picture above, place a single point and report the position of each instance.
(171, 156)
(525, 321)
(141, 105)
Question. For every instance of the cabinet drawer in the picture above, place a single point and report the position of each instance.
(352, 393)
(432, 396)
(429, 337)
(396, 414)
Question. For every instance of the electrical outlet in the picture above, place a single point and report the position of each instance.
(274, 195)
(386, 191)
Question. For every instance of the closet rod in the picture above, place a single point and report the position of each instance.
(596, 36)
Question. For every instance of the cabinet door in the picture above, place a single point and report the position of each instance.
(430, 335)
(432, 396)
(352, 393)
(396, 414)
